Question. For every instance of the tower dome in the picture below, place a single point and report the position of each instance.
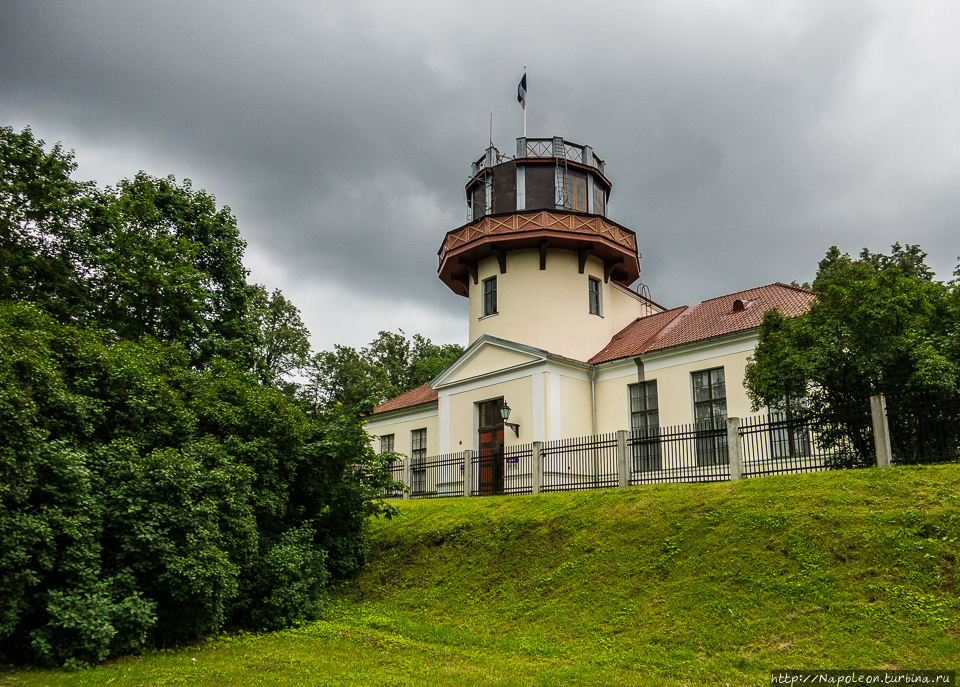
(538, 259)
(553, 194)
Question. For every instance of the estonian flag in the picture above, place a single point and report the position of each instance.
(522, 92)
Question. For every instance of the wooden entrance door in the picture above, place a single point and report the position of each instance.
(491, 447)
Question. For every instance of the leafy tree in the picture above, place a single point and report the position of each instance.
(156, 482)
(148, 257)
(43, 243)
(880, 324)
(143, 501)
(282, 344)
(390, 365)
(168, 264)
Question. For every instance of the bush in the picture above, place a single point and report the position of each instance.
(144, 502)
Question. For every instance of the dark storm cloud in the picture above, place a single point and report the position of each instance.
(742, 139)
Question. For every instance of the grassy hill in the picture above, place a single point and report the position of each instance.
(673, 585)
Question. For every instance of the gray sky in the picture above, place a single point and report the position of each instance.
(743, 138)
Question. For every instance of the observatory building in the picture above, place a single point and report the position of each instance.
(558, 332)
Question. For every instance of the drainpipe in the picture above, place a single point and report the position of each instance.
(593, 396)
(593, 410)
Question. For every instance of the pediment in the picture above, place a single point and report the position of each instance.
(487, 356)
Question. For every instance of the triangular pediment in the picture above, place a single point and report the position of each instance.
(488, 356)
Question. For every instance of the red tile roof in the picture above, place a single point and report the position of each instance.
(637, 336)
(422, 394)
(683, 325)
(711, 318)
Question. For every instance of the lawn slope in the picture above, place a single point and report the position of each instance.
(686, 584)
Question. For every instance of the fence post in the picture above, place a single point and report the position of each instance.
(537, 477)
(733, 448)
(881, 431)
(468, 472)
(406, 476)
(623, 460)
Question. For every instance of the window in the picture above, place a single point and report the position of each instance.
(595, 304)
(386, 443)
(789, 435)
(599, 199)
(710, 416)
(575, 192)
(489, 296)
(645, 425)
(489, 412)
(418, 460)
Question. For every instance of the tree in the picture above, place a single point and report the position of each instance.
(282, 344)
(167, 263)
(156, 479)
(43, 241)
(880, 325)
(389, 366)
(149, 257)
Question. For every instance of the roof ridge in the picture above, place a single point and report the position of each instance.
(755, 288)
(669, 326)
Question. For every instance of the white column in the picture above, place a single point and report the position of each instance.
(733, 448)
(881, 431)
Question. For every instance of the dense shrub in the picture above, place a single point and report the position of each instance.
(144, 502)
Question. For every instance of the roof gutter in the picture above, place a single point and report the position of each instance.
(593, 396)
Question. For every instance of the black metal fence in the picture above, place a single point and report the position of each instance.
(396, 472)
(924, 428)
(437, 477)
(683, 453)
(781, 442)
(518, 469)
(583, 463)
(503, 471)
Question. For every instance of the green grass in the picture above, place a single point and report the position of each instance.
(663, 585)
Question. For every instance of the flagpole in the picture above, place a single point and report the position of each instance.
(524, 107)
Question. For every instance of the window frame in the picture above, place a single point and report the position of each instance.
(387, 442)
(418, 459)
(575, 189)
(711, 443)
(488, 303)
(595, 297)
(645, 426)
(789, 433)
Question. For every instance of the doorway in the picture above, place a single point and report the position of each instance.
(491, 447)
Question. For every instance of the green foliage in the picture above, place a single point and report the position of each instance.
(282, 344)
(157, 482)
(879, 325)
(390, 365)
(149, 257)
(43, 241)
(168, 265)
(145, 502)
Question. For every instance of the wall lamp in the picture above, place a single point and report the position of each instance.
(505, 412)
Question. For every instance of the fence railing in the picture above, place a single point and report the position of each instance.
(918, 430)
(584, 463)
(782, 442)
(924, 428)
(438, 476)
(683, 453)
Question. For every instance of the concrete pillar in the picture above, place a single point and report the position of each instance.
(733, 448)
(407, 460)
(881, 431)
(467, 472)
(537, 476)
(623, 460)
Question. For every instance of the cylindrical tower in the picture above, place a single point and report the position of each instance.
(539, 260)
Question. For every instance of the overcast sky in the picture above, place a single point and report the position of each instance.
(742, 138)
